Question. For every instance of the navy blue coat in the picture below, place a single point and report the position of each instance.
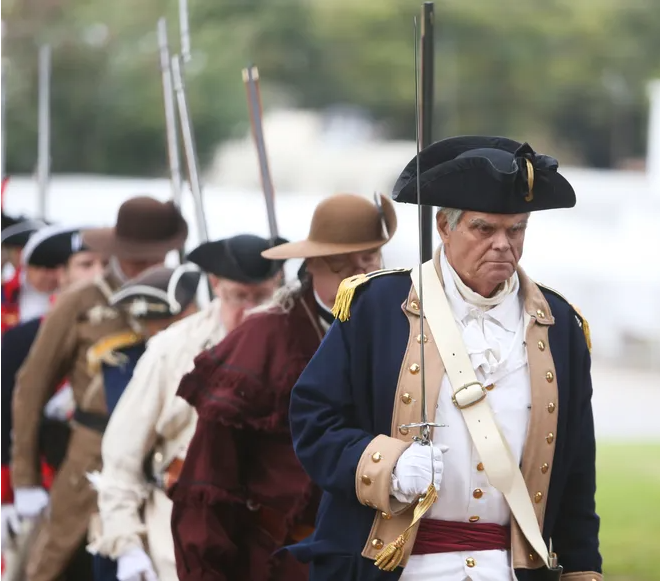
(117, 377)
(345, 397)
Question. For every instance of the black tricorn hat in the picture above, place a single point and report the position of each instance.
(52, 246)
(17, 234)
(485, 174)
(238, 258)
(159, 292)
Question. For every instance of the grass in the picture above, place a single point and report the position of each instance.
(628, 502)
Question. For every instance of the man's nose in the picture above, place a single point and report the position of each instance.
(501, 241)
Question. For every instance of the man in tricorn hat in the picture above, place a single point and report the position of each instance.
(152, 425)
(242, 494)
(59, 249)
(501, 365)
(146, 230)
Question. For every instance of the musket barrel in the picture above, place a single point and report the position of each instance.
(251, 80)
(170, 113)
(189, 148)
(428, 75)
(184, 30)
(43, 160)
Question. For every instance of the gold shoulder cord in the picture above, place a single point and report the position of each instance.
(584, 324)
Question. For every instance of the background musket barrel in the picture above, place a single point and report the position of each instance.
(43, 159)
(428, 70)
(170, 113)
(251, 80)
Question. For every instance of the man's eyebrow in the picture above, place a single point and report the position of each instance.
(481, 222)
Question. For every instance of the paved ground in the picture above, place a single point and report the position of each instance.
(626, 403)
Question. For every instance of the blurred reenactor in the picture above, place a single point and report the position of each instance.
(146, 230)
(60, 249)
(157, 298)
(242, 494)
(153, 427)
(26, 294)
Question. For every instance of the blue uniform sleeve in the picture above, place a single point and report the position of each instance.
(575, 534)
(326, 437)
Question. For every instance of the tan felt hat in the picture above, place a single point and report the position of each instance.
(341, 224)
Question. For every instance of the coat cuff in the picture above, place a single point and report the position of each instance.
(583, 576)
(374, 473)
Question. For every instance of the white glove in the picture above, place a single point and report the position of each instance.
(30, 501)
(412, 473)
(11, 523)
(135, 565)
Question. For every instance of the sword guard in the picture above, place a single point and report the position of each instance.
(424, 425)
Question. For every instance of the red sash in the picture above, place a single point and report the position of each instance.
(440, 536)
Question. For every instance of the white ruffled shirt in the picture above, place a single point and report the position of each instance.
(494, 335)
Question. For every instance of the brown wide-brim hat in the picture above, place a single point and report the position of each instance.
(146, 229)
(342, 224)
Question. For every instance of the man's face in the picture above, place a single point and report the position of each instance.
(82, 266)
(43, 280)
(328, 272)
(484, 249)
(237, 298)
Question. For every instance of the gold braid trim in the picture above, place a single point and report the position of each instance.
(584, 324)
(347, 287)
(392, 554)
(103, 351)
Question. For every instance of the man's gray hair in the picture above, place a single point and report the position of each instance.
(453, 216)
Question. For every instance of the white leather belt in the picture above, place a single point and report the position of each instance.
(470, 396)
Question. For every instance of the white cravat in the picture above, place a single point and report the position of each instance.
(31, 302)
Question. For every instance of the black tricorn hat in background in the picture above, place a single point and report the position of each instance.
(238, 258)
(159, 292)
(52, 246)
(484, 174)
(17, 231)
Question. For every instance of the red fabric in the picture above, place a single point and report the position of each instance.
(441, 536)
(242, 451)
(7, 490)
(10, 292)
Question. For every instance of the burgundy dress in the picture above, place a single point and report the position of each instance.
(242, 493)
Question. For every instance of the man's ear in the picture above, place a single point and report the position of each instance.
(442, 225)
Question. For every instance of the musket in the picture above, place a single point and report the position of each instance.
(3, 128)
(190, 150)
(251, 80)
(390, 557)
(170, 117)
(43, 160)
(184, 31)
(428, 74)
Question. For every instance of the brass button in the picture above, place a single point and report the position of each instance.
(550, 438)
(419, 339)
(551, 407)
(532, 556)
(541, 346)
(490, 387)
(406, 398)
(549, 376)
(377, 457)
(480, 467)
(385, 516)
(538, 497)
(414, 368)
(403, 431)
(370, 504)
(377, 544)
(540, 314)
(366, 480)
(544, 468)
(470, 562)
(158, 457)
(477, 493)
(414, 305)
(473, 519)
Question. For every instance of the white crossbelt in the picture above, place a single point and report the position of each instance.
(470, 397)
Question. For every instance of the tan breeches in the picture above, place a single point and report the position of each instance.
(72, 502)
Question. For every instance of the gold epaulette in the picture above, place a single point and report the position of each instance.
(346, 290)
(103, 351)
(584, 324)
